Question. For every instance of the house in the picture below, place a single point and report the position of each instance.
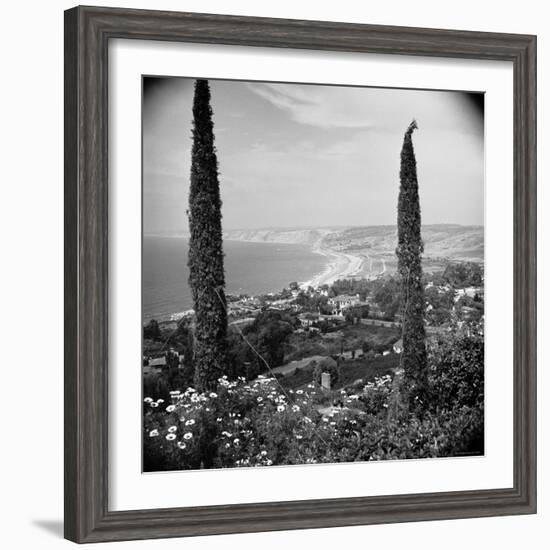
(398, 346)
(339, 304)
(470, 292)
(308, 319)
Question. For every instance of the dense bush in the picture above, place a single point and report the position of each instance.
(327, 364)
(456, 374)
(264, 342)
(463, 274)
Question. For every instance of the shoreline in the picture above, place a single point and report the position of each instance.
(340, 266)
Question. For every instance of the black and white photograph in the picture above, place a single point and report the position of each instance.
(313, 274)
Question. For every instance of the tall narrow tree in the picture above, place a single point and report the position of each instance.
(206, 270)
(409, 261)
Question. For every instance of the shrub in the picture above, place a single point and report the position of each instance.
(329, 365)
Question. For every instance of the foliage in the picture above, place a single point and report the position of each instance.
(327, 364)
(352, 287)
(456, 374)
(267, 335)
(151, 331)
(409, 265)
(463, 274)
(387, 294)
(206, 270)
(261, 424)
(441, 303)
(313, 303)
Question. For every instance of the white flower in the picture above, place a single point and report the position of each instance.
(170, 408)
(213, 395)
(175, 392)
(172, 429)
(227, 445)
(148, 400)
(154, 405)
(187, 435)
(299, 392)
(218, 419)
(236, 441)
(298, 436)
(171, 437)
(181, 445)
(189, 422)
(280, 408)
(160, 401)
(295, 408)
(153, 433)
(259, 399)
(325, 419)
(263, 453)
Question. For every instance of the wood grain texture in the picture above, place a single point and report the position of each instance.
(87, 33)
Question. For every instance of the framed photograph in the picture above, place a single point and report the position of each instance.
(300, 274)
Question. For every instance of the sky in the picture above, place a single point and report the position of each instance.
(299, 155)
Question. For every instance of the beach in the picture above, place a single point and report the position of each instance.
(345, 265)
(341, 265)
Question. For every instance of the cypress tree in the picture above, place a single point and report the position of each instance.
(206, 271)
(409, 263)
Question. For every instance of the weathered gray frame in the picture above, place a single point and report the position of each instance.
(87, 34)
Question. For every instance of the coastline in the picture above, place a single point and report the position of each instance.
(340, 266)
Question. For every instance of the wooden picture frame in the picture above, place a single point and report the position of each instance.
(87, 34)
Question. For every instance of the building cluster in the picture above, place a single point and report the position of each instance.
(340, 304)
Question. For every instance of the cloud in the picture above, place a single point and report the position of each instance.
(315, 106)
(364, 108)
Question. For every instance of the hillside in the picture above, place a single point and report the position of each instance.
(373, 247)
(311, 236)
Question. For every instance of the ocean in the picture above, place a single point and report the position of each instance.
(250, 268)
